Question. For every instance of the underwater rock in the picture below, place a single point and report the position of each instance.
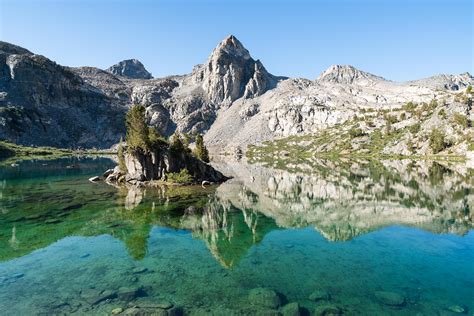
(390, 298)
(94, 179)
(327, 310)
(164, 305)
(264, 297)
(17, 275)
(129, 293)
(138, 270)
(320, 295)
(93, 296)
(153, 310)
(291, 309)
(52, 221)
(457, 309)
(116, 311)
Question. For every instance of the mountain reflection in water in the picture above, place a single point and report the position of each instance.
(71, 246)
(340, 199)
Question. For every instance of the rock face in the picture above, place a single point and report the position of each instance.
(346, 74)
(43, 103)
(130, 68)
(448, 82)
(231, 73)
(157, 164)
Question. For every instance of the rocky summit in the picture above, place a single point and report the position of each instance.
(231, 98)
(130, 68)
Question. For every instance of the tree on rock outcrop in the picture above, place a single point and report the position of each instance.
(121, 157)
(176, 143)
(201, 151)
(137, 129)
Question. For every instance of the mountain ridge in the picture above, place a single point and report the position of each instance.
(231, 98)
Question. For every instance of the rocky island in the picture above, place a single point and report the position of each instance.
(148, 157)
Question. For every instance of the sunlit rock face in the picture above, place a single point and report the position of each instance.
(345, 199)
(231, 73)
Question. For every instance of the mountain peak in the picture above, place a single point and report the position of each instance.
(231, 46)
(130, 68)
(347, 74)
(230, 73)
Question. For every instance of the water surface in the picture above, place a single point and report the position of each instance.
(355, 231)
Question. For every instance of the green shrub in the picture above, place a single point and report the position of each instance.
(409, 107)
(403, 116)
(355, 132)
(410, 146)
(461, 120)
(442, 113)
(392, 119)
(437, 141)
(469, 89)
(182, 177)
(415, 128)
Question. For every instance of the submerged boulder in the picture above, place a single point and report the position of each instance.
(264, 297)
(390, 298)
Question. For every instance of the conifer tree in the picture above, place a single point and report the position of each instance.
(121, 157)
(137, 129)
(176, 143)
(201, 151)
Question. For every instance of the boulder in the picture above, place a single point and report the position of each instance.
(457, 309)
(320, 295)
(291, 309)
(263, 297)
(390, 298)
(94, 179)
(327, 310)
(129, 293)
(108, 172)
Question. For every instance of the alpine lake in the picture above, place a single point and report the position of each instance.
(344, 237)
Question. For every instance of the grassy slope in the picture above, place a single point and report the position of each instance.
(389, 134)
(10, 152)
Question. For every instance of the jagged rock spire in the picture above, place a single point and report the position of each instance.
(231, 73)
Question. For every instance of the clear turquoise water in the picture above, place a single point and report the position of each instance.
(62, 238)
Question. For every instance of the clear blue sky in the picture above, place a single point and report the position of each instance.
(400, 40)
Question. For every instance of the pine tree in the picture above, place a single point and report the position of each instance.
(201, 151)
(137, 129)
(176, 143)
(121, 157)
(155, 139)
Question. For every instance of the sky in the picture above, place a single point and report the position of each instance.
(397, 39)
